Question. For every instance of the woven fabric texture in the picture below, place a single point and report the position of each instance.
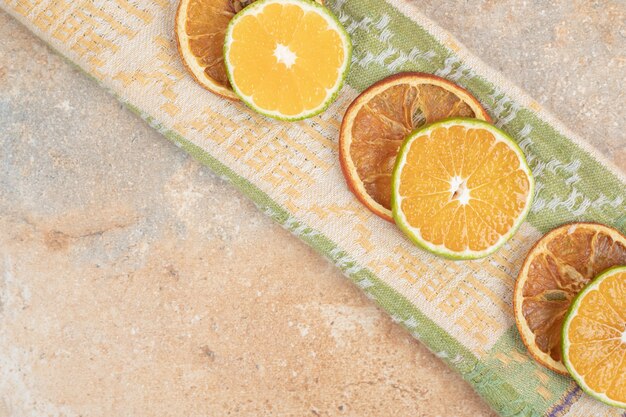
(461, 310)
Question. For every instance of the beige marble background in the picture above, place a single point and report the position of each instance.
(134, 282)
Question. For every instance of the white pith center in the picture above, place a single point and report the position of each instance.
(284, 55)
(459, 190)
(624, 336)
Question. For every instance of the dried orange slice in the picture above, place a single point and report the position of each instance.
(554, 271)
(460, 188)
(286, 59)
(594, 338)
(200, 28)
(381, 117)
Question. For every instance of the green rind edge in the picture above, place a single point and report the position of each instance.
(500, 395)
(409, 34)
(395, 208)
(331, 99)
(564, 341)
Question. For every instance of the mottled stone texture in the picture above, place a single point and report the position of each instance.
(569, 55)
(133, 282)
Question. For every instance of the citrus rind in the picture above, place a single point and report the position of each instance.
(414, 234)
(332, 92)
(595, 283)
(527, 335)
(190, 61)
(348, 168)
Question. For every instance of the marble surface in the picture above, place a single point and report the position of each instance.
(134, 282)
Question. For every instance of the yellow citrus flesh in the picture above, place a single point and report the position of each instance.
(380, 118)
(286, 58)
(461, 188)
(553, 273)
(595, 338)
(200, 29)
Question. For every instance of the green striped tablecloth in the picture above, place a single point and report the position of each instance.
(460, 310)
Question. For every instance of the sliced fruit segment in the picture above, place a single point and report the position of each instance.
(555, 270)
(382, 116)
(594, 338)
(286, 59)
(438, 203)
(200, 29)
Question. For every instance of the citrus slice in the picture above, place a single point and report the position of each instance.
(460, 188)
(286, 59)
(594, 338)
(381, 117)
(559, 265)
(200, 28)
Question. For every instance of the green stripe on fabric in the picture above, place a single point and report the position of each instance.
(403, 311)
(511, 358)
(370, 38)
(554, 166)
(499, 385)
(500, 394)
(572, 185)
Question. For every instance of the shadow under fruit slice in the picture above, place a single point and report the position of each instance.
(594, 338)
(555, 270)
(381, 117)
(460, 188)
